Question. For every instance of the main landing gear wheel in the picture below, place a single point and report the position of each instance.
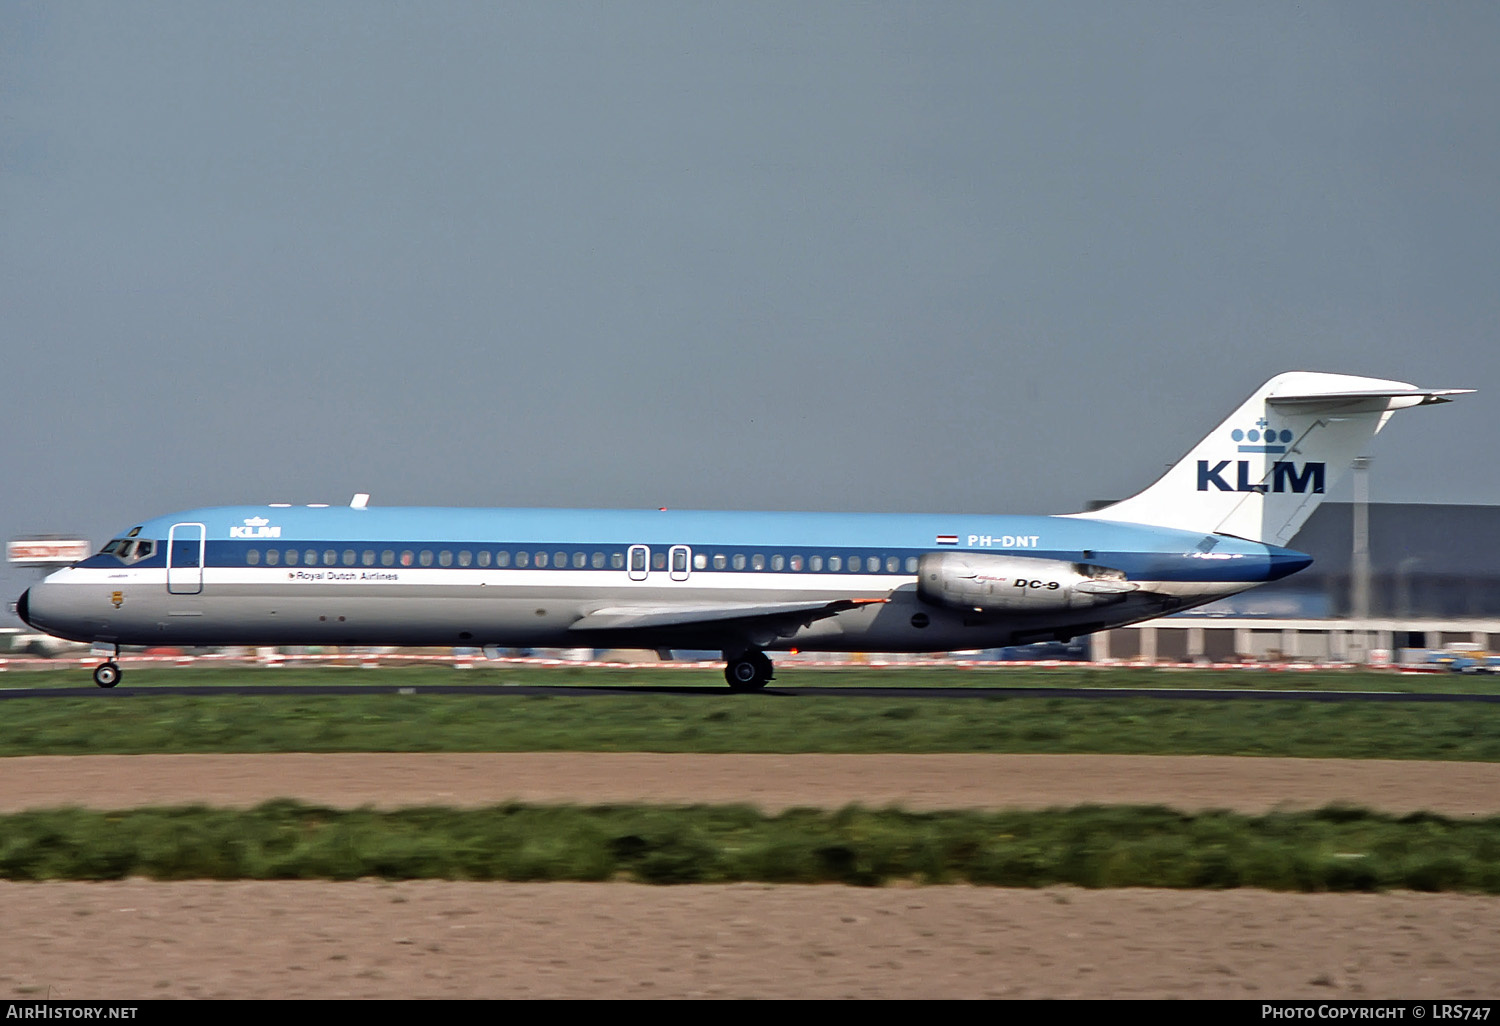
(107, 675)
(748, 672)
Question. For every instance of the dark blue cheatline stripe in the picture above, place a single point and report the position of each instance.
(741, 559)
(1143, 566)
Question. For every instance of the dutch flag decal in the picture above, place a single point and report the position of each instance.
(947, 539)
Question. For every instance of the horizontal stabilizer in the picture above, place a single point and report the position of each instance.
(1364, 401)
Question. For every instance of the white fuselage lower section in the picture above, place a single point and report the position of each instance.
(539, 608)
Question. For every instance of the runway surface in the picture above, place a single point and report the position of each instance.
(555, 690)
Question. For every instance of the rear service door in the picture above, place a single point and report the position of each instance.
(640, 562)
(185, 545)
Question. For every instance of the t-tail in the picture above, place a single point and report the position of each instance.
(1262, 472)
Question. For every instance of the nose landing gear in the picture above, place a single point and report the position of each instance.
(748, 671)
(107, 674)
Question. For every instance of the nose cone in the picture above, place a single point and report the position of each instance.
(1285, 562)
(46, 608)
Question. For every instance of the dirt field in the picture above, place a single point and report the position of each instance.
(137, 940)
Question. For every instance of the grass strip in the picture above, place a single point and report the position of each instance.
(122, 724)
(1334, 849)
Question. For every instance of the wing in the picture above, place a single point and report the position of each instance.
(725, 615)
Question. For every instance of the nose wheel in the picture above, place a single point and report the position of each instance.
(107, 675)
(749, 671)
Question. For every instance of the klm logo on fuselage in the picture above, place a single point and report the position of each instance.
(1285, 477)
(255, 527)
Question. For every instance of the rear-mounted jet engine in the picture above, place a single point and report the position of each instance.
(1016, 584)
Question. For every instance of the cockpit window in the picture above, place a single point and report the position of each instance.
(128, 550)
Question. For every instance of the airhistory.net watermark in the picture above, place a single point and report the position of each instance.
(49, 1010)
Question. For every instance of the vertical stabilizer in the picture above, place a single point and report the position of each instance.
(1262, 472)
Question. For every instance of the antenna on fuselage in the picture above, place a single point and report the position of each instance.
(361, 500)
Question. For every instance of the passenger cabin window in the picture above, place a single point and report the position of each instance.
(252, 557)
(273, 556)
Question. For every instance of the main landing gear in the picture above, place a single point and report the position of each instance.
(748, 671)
(107, 674)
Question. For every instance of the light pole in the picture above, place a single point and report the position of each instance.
(1359, 580)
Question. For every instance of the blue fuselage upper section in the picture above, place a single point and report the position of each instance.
(231, 534)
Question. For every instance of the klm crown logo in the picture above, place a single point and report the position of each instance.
(1267, 437)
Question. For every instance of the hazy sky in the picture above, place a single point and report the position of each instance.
(992, 256)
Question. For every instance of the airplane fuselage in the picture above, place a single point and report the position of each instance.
(648, 579)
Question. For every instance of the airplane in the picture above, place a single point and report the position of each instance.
(743, 583)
